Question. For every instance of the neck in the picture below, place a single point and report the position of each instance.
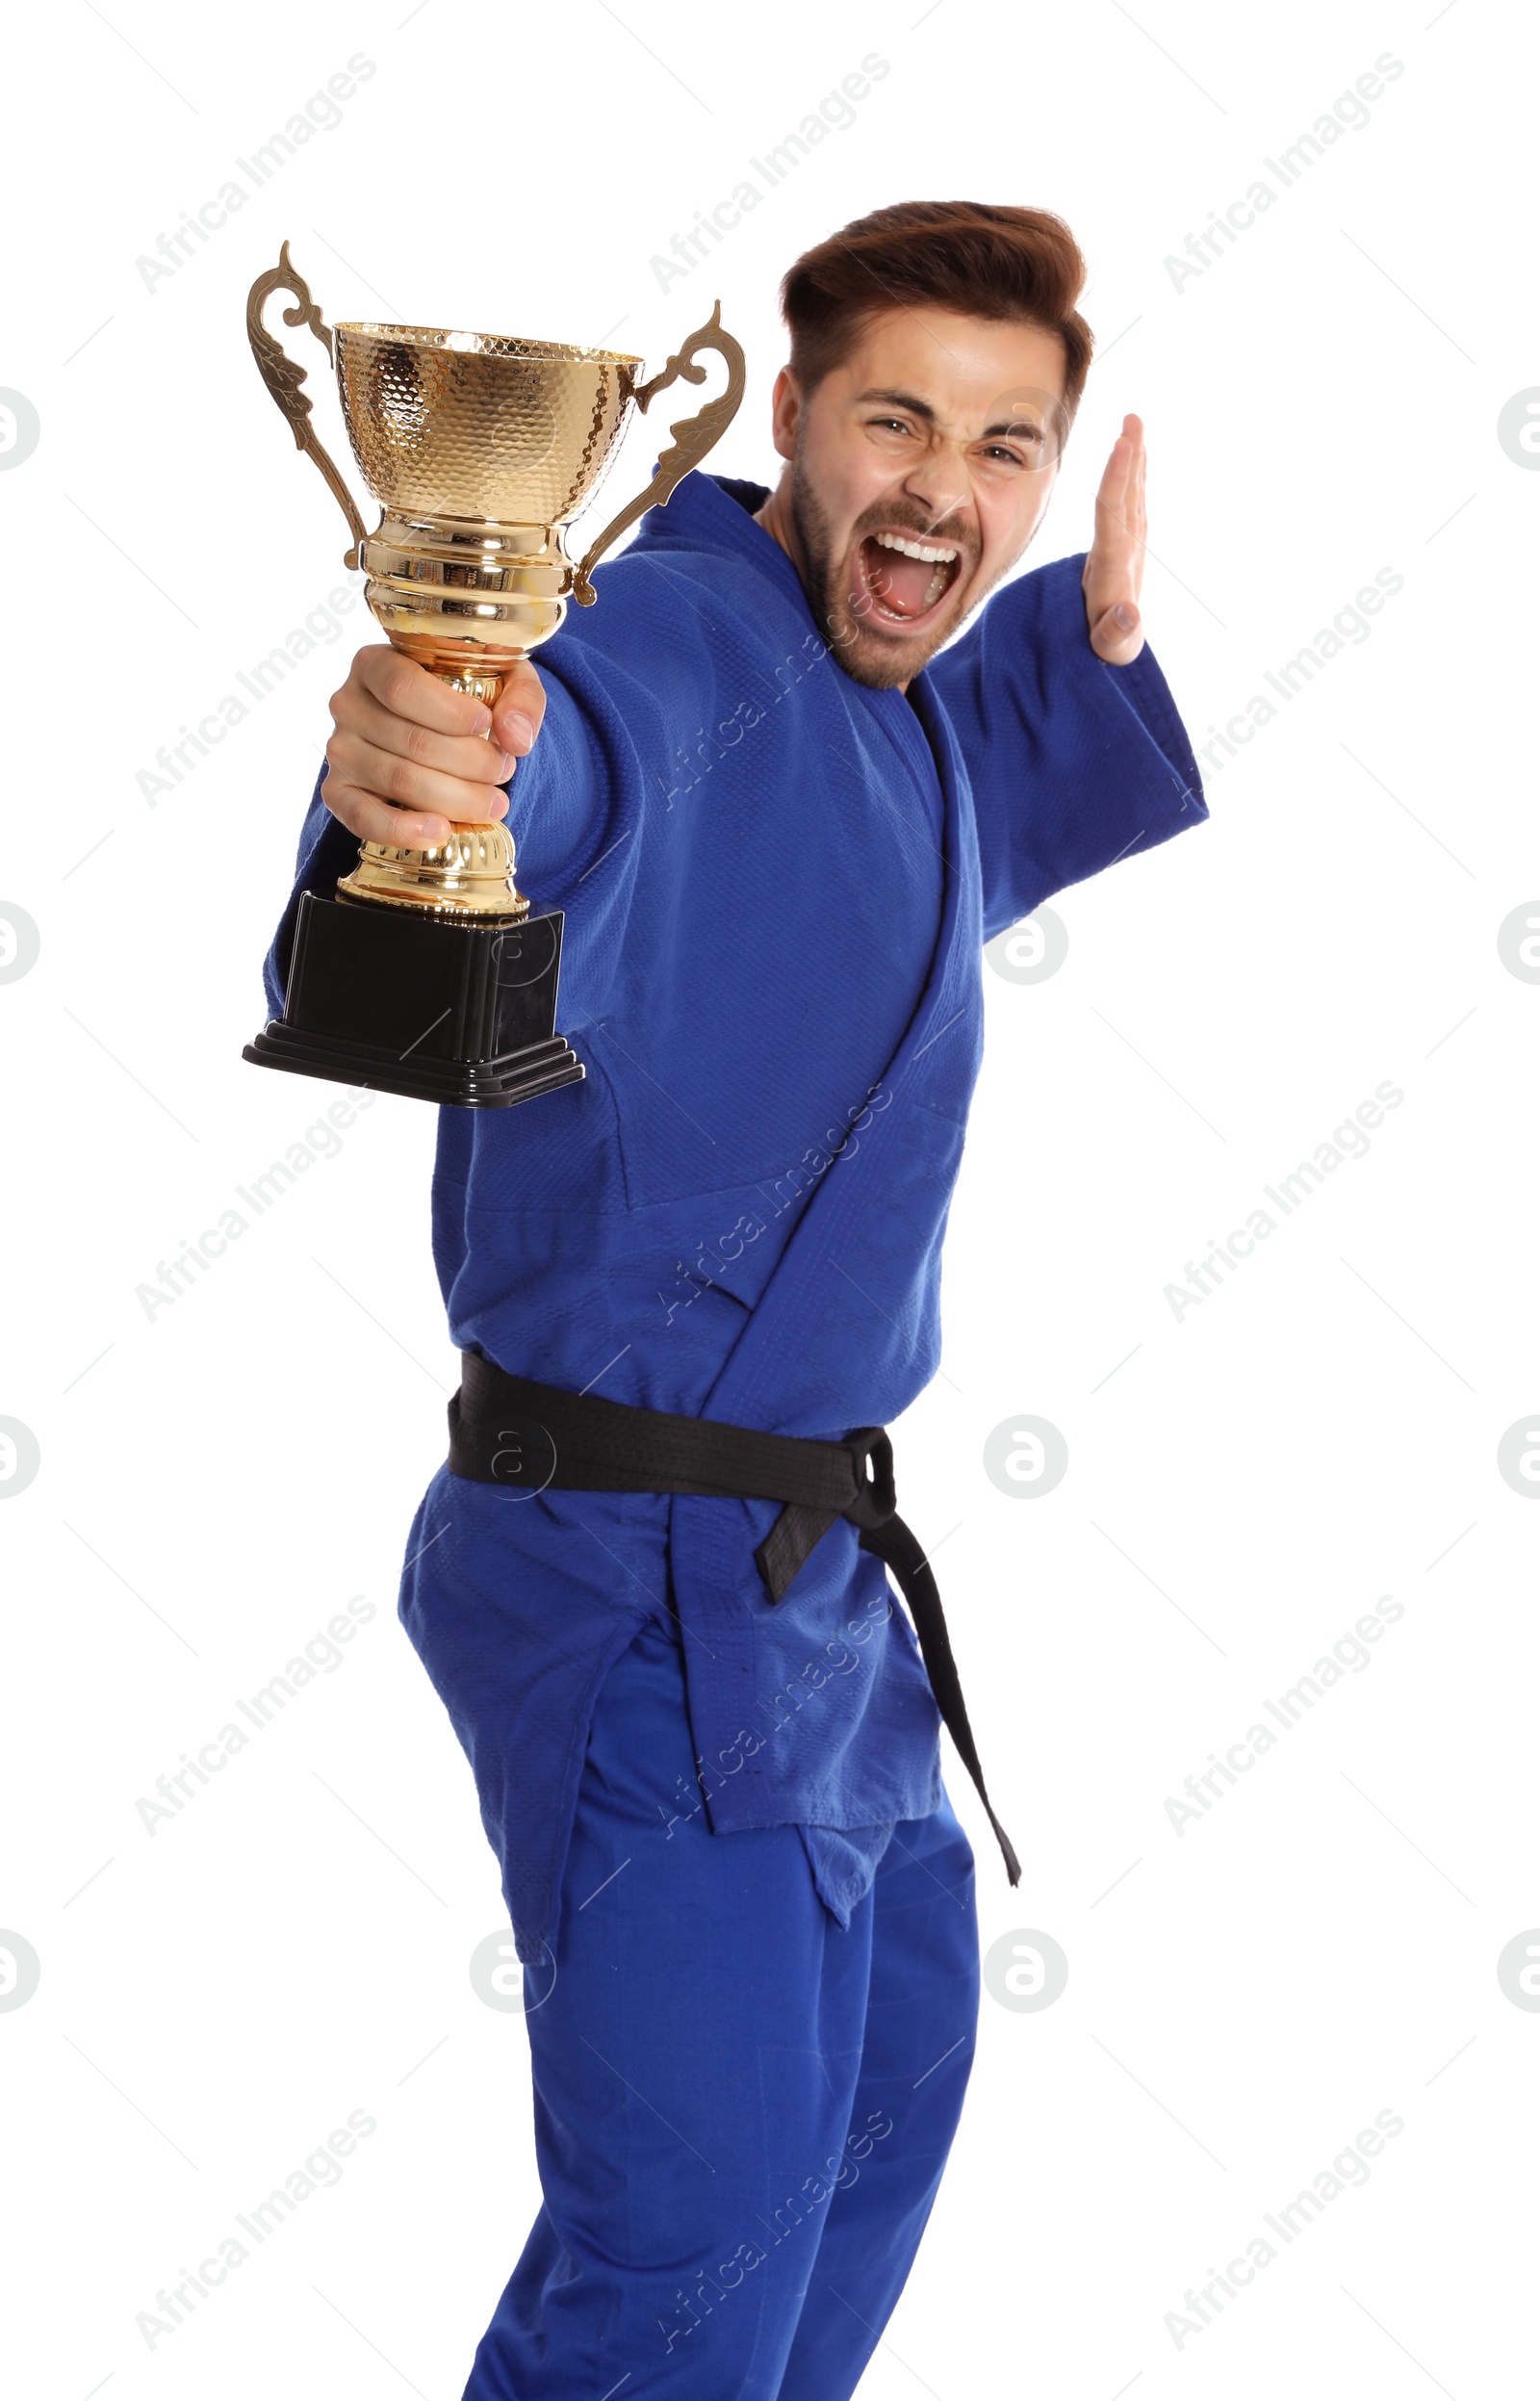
(777, 520)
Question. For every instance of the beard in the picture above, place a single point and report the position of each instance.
(877, 657)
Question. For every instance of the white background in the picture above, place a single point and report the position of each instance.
(1243, 1480)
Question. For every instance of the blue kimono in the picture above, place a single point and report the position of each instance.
(777, 884)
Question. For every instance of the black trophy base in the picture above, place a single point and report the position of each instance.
(451, 1011)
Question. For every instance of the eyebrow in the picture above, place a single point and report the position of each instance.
(922, 408)
(899, 399)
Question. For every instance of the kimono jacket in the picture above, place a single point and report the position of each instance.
(777, 884)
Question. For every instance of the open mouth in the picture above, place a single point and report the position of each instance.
(904, 578)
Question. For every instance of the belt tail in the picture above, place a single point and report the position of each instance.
(791, 1542)
(897, 1546)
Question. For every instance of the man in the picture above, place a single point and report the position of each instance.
(781, 827)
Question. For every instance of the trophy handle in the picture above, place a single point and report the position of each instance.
(693, 435)
(283, 378)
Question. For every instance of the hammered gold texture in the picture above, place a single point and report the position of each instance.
(480, 426)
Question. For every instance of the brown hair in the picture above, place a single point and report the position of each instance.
(968, 256)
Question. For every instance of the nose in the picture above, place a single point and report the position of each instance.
(940, 484)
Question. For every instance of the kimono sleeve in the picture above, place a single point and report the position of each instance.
(326, 851)
(1073, 763)
(574, 800)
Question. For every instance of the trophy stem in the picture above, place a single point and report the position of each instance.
(480, 681)
(469, 876)
(485, 687)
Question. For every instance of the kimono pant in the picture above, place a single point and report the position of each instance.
(742, 2110)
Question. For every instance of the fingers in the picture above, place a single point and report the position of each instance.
(398, 686)
(1136, 485)
(1115, 564)
(519, 707)
(1115, 492)
(409, 786)
(471, 756)
(1116, 642)
(409, 759)
(1137, 518)
(375, 820)
(407, 690)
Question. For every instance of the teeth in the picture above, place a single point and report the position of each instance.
(915, 550)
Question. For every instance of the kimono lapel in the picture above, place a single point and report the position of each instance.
(935, 1065)
(933, 1068)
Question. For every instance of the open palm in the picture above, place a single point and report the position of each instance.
(1114, 566)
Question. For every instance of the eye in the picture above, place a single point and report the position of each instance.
(1029, 435)
(889, 424)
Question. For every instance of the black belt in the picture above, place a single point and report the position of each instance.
(505, 1430)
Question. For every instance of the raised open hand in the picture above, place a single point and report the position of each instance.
(1115, 565)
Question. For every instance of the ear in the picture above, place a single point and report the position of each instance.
(785, 411)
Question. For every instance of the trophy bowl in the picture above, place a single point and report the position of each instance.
(479, 449)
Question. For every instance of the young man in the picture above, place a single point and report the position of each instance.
(781, 829)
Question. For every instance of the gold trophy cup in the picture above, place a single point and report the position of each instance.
(426, 973)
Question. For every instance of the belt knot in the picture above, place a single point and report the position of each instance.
(871, 1457)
